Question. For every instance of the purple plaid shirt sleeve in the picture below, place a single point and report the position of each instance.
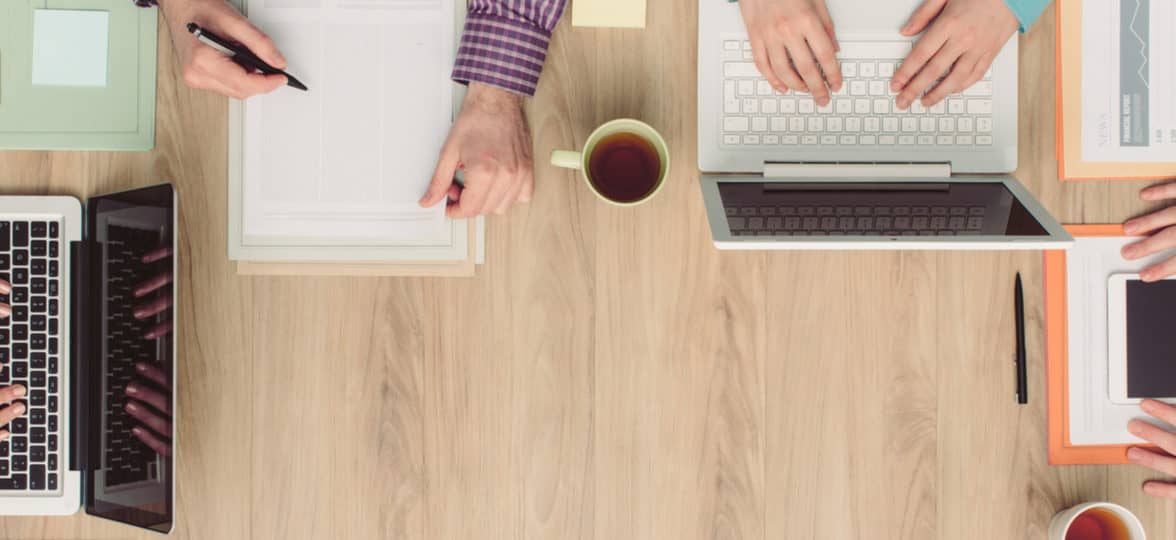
(505, 43)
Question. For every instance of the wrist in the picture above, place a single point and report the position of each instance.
(492, 95)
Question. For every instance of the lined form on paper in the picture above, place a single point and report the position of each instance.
(347, 161)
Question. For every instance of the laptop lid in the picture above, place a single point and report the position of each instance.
(946, 212)
(125, 361)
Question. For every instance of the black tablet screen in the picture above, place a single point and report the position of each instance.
(1151, 339)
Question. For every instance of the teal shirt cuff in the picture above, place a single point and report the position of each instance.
(1027, 11)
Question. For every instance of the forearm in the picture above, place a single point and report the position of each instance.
(1027, 11)
(504, 43)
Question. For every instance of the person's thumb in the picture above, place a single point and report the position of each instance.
(442, 178)
(923, 16)
(238, 28)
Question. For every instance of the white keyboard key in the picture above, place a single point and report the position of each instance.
(847, 140)
(771, 139)
(728, 89)
(750, 105)
(779, 124)
(964, 124)
(731, 45)
(736, 123)
(881, 105)
(763, 88)
(806, 105)
(981, 88)
(853, 124)
(833, 124)
(917, 107)
(816, 124)
(984, 125)
(886, 69)
(877, 88)
(924, 140)
(906, 139)
(740, 70)
(868, 140)
(938, 108)
(908, 125)
(826, 108)
(751, 139)
(956, 106)
(980, 106)
(796, 123)
(886, 139)
(874, 50)
(945, 140)
(828, 140)
(746, 88)
(730, 139)
(964, 140)
(748, 56)
(789, 139)
(866, 70)
(788, 106)
(731, 106)
(746, 45)
(808, 139)
(759, 123)
(889, 124)
(926, 124)
(849, 69)
(857, 88)
(861, 106)
(843, 105)
(984, 140)
(769, 105)
(946, 124)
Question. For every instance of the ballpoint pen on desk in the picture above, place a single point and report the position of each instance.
(1022, 370)
(240, 54)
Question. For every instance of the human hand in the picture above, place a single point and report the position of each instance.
(1161, 225)
(964, 38)
(149, 402)
(5, 309)
(205, 68)
(491, 142)
(164, 300)
(8, 394)
(1165, 464)
(792, 42)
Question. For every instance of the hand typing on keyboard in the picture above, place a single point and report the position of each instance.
(1166, 440)
(793, 43)
(11, 393)
(1161, 225)
(963, 39)
(162, 302)
(148, 400)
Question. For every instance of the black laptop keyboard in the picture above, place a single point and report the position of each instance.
(774, 220)
(30, 259)
(125, 459)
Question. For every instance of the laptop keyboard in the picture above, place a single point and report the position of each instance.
(762, 220)
(30, 259)
(862, 113)
(125, 460)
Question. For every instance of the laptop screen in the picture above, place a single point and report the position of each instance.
(131, 476)
(875, 209)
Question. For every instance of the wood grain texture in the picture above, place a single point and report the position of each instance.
(607, 374)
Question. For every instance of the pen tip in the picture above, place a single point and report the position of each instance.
(192, 27)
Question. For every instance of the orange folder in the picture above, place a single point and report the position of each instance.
(1057, 362)
(1071, 166)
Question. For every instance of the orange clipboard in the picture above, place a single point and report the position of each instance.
(1057, 362)
(1069, 105)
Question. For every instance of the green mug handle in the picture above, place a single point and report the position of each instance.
(567, 159)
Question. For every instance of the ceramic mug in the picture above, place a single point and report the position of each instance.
(625, 162)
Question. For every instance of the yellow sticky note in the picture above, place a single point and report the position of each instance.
(609, 13)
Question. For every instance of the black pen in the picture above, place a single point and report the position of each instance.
(1022, 369)
(241, 55)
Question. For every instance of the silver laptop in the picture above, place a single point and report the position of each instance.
(80, 333)
(858, 173)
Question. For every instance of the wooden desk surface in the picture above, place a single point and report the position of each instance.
(608, 374)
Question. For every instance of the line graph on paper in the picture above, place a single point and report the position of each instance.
(1141, 69)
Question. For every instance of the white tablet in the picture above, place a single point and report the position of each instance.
(1141, 339)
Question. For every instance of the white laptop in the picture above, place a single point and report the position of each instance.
(75, 342)
(858, 173)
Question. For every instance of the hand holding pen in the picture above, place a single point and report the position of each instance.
(206, 68)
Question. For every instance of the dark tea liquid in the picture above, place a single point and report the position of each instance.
(624, 167)
(1098, 524)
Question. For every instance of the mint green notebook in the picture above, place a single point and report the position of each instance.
(77, 75)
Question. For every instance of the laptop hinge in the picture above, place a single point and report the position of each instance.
(82, 312)
(859, 170)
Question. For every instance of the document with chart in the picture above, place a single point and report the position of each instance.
(1128, 80)
(335, 173)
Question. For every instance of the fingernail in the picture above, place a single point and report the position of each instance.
(1129, 252)
(1149, 275)
(19, 408)
(1151, 488)
(132, 407)
(131, 390)
(18, 390)
(5, 310)
(1147, 194)
(1131, 227)
(3, 435)
(137, 430)
(141, 367)
(5, 287)
(1135, 427)
(1134, 454)
(139, 314)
